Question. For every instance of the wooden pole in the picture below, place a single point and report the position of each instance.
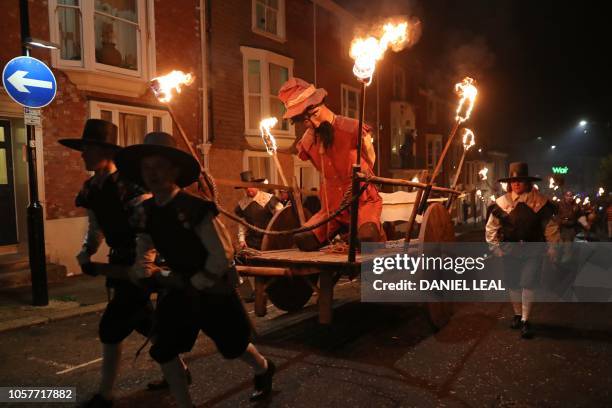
(456, 179)
(281, 173)
(352, 255)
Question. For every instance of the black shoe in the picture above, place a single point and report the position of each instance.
(526, 331)
(163, 383)
(97, 401)
(516, 322)
(263, 383)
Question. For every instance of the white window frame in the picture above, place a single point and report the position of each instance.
(344, 106)
(265, 58)
(145, 42)
(95, 108)
(273, 179)
(280, 36)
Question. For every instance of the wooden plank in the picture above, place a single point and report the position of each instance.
(248, 270)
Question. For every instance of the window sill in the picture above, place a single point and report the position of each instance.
(269, 35)
(98, 81)
(283, 142)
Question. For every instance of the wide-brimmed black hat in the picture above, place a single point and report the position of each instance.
(247, 177)
(519, 171)
(96, 132)
(157, 144)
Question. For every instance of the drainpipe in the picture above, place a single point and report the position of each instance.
(206, 144)
(314, 40)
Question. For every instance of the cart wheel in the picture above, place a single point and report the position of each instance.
(291, 294)
(437, 227)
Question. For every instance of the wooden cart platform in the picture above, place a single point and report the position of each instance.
(301, 273)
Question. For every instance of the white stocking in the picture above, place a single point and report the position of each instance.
(174, 373)
(111, 357)
(252, 357)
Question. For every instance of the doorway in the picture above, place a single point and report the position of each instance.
(8, 219)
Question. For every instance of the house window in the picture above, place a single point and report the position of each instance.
(133, 121)
(264, 74)
(261, 164)
(350, 101)
(102, 35)
(433, 144)
(399, 83)
(269, 18)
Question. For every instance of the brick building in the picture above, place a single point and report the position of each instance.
(240, 52)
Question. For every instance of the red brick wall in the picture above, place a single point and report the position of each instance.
(177, 47)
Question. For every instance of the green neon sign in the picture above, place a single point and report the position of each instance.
(560, 170)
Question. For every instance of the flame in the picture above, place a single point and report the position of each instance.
(415, 179)
(264, 127)
(483, 173)
(367, 51)
(162, 86)
(600, 192)
(536, 186)
(468, 139)
(492, 198)
(467, 95)
(551, 183)
(478, 193)
(586, 201)
(504, 185)
(578, 200)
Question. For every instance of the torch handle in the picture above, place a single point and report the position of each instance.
(184, 135)
(456, 179)
(281, 173)
(443, 155)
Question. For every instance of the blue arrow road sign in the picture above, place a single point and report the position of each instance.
(29, 82)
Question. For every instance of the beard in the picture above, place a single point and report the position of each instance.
(326, 132)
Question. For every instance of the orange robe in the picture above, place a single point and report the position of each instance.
(336, 165)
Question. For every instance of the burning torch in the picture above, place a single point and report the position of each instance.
(163, 88)
(467, 96)
(468, 141)
(367, 52)
(265, 127)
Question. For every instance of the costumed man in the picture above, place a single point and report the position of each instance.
(569, 213)
(256, 207)
(201, 278)
(109, 200)
(522, 215)
(330, 144)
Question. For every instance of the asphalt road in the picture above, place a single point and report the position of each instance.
(374, 355)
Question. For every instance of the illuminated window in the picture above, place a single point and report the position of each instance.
(102, 35)
(133, 121)
(269, 18)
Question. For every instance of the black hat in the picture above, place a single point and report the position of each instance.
(247, 177)
(157, 144)
(519, 171)
(96, 132)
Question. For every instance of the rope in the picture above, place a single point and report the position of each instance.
(347, 200)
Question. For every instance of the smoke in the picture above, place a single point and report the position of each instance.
(472, 58)
(375, 28)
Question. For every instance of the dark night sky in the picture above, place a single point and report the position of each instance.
(541, 66)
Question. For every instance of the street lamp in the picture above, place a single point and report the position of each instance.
(553, 147)
(31, 42)
(583, 123)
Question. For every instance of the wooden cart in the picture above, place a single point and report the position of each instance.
(288, 277)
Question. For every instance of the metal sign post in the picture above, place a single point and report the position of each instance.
(30, 83)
